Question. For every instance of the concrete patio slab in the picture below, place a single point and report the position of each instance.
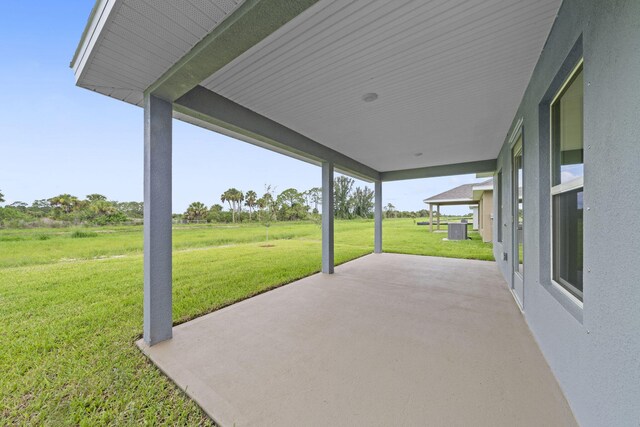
(387, 340)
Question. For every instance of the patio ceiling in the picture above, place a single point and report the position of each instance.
(447, 75)
(129, 44)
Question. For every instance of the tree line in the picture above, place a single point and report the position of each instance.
(350, 201)
(289, 205)
(66, 209)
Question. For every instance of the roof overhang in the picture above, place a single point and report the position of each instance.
(481, 188)
(445, 202)
(447, 76)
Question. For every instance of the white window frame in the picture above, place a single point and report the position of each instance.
(516, 135)
(500, 215)
(515, 200)
(562, 187)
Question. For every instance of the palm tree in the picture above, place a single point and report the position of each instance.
(234, 197)
(102, 208)
(250, 201)
(95, 197)
(227, 196)
(238, 197)
(196, 211)
(1, 197)
(65, 202)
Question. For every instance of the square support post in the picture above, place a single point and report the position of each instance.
(327, 218)
(438, 215)
(377, 218)
(158, 320)
(430, 217)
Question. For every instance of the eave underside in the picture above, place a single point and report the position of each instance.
(259, 56)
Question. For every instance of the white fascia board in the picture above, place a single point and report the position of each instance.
(434, 202)
(484, 175)
(99, 17)
(483, 187)
(479, 189)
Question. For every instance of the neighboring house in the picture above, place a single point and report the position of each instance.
(479, 195)
(483, 193)
(543, 94)
(474, 212)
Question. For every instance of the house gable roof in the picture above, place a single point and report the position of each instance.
(462, 194)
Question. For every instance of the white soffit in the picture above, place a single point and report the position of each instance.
(129, 44)
(449, 75)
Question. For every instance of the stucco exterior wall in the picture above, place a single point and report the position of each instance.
(485, 227)
(593, 350)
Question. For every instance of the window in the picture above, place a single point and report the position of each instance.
(567, 184)
(498, 191)
(518, 205)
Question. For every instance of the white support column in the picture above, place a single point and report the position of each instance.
(327, 218)
(438, 215)
(430, 217)
(157, 220)
(377, 218)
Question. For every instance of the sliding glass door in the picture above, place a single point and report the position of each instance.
(518, 219)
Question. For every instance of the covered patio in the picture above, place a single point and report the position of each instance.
(377, 90)
(387, 340)
(381, 91)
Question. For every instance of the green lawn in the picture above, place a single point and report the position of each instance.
(72, 308)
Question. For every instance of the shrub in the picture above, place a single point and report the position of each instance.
(11, 238)
(79, 234)
(110, 219)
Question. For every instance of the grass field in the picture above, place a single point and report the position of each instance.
(71, 305)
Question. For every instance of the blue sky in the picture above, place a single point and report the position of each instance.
(58, 138)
